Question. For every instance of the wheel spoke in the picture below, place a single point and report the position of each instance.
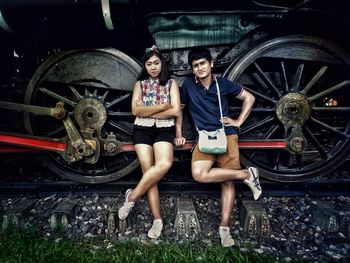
(277, 160)
(256, 125)
(119, 114)
(95, 93)
(104, 96)
(316, 143)
(331, 108)
(257, 94)
(330, 129)
(268, 110)
(271, 131)
(299, 161)
(75, 92)
(238, 109)
(334, 88)
(251, 156)
(314, 80)
(297, 78)
(266, 79)
(110, 104)
(120, 127)
(57, 96)
(55, 132)
(284, 77)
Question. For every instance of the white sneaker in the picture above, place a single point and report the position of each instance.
(226, 238)
(124, 211)
(253, 182)
(156, 229)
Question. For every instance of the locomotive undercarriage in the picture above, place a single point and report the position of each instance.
(298, 128)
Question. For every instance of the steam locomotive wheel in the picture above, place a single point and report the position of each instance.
(302, 90)
(98, 83)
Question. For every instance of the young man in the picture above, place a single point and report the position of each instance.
(199, 93)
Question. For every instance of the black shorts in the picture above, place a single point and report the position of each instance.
(151, 135)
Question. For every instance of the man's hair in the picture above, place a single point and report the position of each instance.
(199, 53)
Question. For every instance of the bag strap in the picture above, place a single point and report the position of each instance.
(219, 98)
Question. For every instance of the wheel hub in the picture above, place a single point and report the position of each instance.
(293, 110)
(90, 113)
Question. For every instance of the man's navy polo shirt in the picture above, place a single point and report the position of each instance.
(204, 105)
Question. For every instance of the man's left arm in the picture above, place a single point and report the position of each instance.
(248, 100)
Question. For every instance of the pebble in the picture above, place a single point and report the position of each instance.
(293, 230)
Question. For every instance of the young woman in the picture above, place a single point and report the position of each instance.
(155, 103)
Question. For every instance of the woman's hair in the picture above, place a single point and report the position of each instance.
(199, 53)
(163, 75)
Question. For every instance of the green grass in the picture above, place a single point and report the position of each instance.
(18, 245)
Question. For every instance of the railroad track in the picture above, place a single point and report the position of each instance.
(178, 182)
(315, 187)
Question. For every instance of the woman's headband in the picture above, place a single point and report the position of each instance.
(153, 48)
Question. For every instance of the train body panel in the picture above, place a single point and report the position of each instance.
(292, 55)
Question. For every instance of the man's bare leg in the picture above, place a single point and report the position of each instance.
(203, 172)
(228, 195)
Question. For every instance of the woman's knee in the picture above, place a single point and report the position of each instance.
(164, 166)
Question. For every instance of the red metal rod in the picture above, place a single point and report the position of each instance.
(5, 149)
(32, 142)
(42, 144)
(263, 145)
(241, 145)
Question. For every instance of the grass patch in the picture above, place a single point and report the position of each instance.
(17, 245)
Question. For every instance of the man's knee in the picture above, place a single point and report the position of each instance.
(228, 184)
(228, 187)
(199, 175)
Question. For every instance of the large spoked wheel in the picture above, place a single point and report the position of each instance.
(302, 90)
(104, 78)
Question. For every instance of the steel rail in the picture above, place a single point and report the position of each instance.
(320, 187)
